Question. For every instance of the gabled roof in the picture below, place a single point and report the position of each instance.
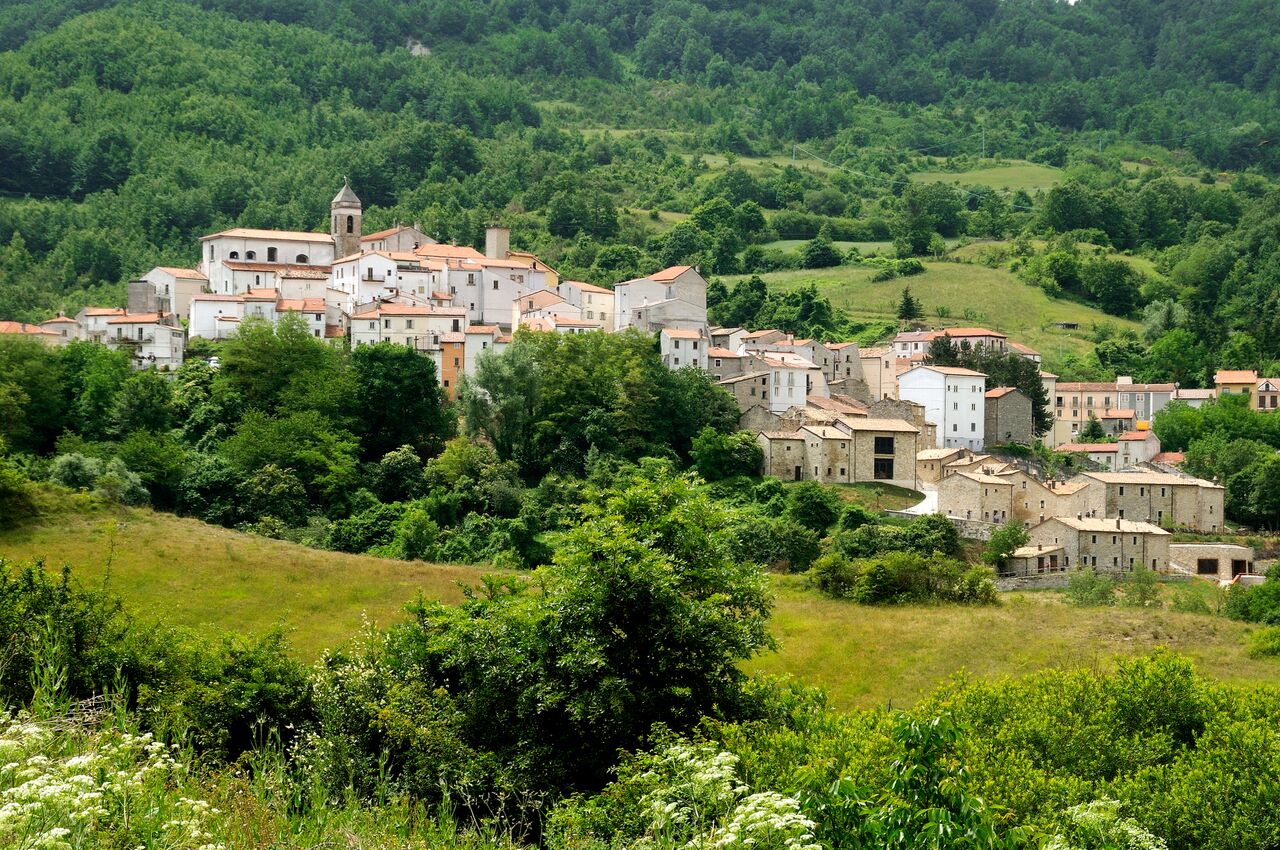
(937, 454)
(390, 231)
(25, 329)
(442, 251)
(539, 300)
(1136, 436)
(836, 405)
(981, 478)
(1000, 392)
(59, 320)
(753, 335)
(1149, 478)
(280, 235)
(716, 351)
(138, 319)
(1124, 526)
(483, 329)
(453, 336)
(1023, 349)
(301, 305)
(1235, 376)
(869, 424)
(587, 287)
(950, 370)
(1091, 448)
(1172, 458)
(104, 311)
(669, 273)
(743, 377)
(1118, 414)
(967, 332)
(682, 333)
(184, 274)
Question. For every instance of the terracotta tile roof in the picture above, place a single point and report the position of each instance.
(869, 424)
(25, 329)
(1022, 349)
(503, 339)
(936, 454)
(442, 296)
(104, 311)
(60, 320)
(1236, 376)
(1136, 436)
(301, 305)
(483, 329)
(682, 333)
(1000, 392)
(914, 336)
(453, 336)
(382, 234)
(757, 334)
(840, 346)
(587, 287)
(722, 352)
(138, 318)
(836, 405)
(875, 352)
(282, 235)
(1118, 414)
(209, 296)
(982, 478)
(743, 377)
(1044, 374)
(1091, 448)
(669, 273)
(1086, 386)
(185, 274)
(441, 251)
(967, 332)
(539, 300)
(1173, 458)
(409, 310)
(261, 294)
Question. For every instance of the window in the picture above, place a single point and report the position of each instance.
(1142, 491)
(351, 224)
(318, 316)
(1121, 489)
(842, 472)
(955, 405)
(717, 361)
(408, 324)
(271, 255)
(495, 284)
(955, 427)
(973, 426)
(235, 255)
(1113, 540)
(471, 279)
(386, 323)
(1094, 538)
(884, 445)
(883, 468)
(211, 250)
(251, 255)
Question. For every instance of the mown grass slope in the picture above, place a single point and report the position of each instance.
(1013, 175)
(994, 298)
(211, 579)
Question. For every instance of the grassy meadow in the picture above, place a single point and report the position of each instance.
(995, 298)
(212, 579)
(1013, 175)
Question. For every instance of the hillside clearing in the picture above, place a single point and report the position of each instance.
(994, 298)
(212, 579)
(1014, 176)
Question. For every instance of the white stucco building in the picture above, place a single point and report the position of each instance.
(675, 297)
(953, 399)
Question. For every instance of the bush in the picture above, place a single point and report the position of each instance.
(1258, 603)
(1141, 588)
(778, 543)
(814, 506)
(374, 526)
(1087, 589)
(75, 471)
(1265, 643)
(903, 577)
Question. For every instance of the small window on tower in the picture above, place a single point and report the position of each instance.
(351, 224)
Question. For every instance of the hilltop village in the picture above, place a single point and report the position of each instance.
(829, 412)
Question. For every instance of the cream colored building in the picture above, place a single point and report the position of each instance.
(931, 464)
(1159, 498)
(1107, 545)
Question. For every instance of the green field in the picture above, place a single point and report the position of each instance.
(1014, 176)
(865, 655)
(995, 298)
(209, 579)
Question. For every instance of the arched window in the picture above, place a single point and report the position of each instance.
(251, 255)
(301, 258)
(235, 255)
(351, 224)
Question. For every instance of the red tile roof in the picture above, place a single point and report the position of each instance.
(1093, 448)
(669, 273)
(282, 235)
(24, 329)
(1235, 376)
(186, 274)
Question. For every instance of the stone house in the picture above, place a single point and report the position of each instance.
(976, 496)
(1159, 498)
(931, 463)
(1008, 416)
(748, 389)
(1106, 545)
(848, 450)
(725, 363)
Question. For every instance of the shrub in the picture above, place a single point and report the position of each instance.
(778, 543)
(1256, 604)
(1265, 643)
(374, 526)
(902, 577)
(814, 506)
(1087, 589)
(75, 471)
(1141, 588)
(118, 484)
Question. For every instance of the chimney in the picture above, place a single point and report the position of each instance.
(497, 242)
(1079, 516)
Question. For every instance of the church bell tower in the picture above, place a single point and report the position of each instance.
(345, 222)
